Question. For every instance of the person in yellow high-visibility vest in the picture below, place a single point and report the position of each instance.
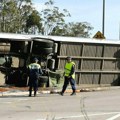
(69, 75)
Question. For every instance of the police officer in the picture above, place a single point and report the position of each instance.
(34, 71)
(69, 74)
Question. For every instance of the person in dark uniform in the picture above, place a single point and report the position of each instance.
(69, 75)
(34, 71)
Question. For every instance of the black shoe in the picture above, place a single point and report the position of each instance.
(34, 94)
(61, 93)
(30, 95)
(73, 93)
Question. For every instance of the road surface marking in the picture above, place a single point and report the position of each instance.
(114, 117)
(80, 116)
(22, 99)
(7, 102)
(41, 119)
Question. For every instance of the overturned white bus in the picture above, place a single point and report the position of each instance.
(97, 61)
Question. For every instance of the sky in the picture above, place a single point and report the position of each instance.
(91, 11)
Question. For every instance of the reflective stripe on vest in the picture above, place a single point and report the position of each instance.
(68, 67)
(34, 66)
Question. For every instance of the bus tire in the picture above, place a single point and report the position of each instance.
(43, 81)
(44, 51)
(44, 43)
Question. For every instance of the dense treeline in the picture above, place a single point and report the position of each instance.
(19, 16)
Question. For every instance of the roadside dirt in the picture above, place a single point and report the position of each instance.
(3, 89)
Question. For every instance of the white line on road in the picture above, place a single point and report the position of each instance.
(22, 99)
(7, 102)
(70, 117)
(114, 117)
(41, 119)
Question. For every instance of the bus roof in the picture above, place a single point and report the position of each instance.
(28, 37)
(83, 40)
(14, 37)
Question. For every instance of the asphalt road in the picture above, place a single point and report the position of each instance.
(97, 105)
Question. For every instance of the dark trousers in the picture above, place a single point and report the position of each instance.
(33, 85)
(66, 82)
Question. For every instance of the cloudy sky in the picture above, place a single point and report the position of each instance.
(91, 11)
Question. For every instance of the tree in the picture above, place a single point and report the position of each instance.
(13, 15)
(54, 23)
(19, 16)
(78, 29)
(33, 22)
(6, 7)
(52, 17)
(24, 10)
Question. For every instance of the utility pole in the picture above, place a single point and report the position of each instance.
(119, 30)
(103, 21)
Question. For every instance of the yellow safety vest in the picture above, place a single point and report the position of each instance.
(68, 67)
